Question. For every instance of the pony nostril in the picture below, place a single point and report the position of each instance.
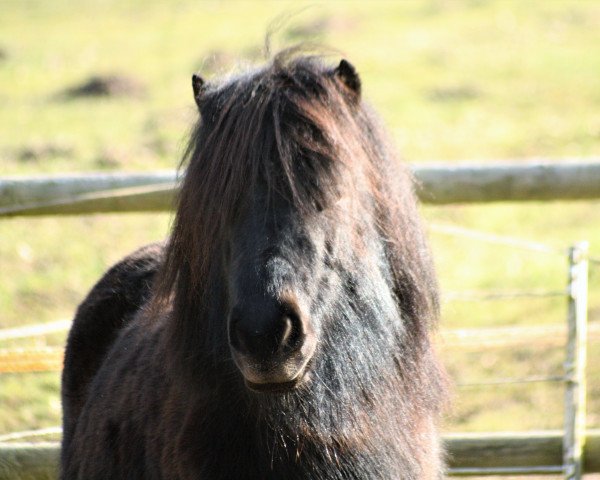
(286, 332)
(293, 333)
(235, 335)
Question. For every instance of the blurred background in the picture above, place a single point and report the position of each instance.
(105, 85)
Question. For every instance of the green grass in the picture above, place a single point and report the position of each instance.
(454, 80)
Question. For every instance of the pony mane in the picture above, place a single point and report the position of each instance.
(295, 126)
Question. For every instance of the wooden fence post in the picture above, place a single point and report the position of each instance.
(575, 392)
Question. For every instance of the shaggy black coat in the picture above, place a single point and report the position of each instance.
(291, 187)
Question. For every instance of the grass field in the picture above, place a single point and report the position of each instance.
(473, 80)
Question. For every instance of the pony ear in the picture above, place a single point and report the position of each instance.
(347, 74)
(199, 87)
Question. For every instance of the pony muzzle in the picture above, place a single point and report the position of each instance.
(272, 354)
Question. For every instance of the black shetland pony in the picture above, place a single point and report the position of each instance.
(283, 331)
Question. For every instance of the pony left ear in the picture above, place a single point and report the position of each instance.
(348, 75)
(199, 87)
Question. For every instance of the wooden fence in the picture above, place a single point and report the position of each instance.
(469, 454)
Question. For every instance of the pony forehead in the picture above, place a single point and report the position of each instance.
(296, 98)
(290, 121)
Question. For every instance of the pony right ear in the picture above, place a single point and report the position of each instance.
(199, 87)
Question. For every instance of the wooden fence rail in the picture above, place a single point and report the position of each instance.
(468, 454)
(439, 184)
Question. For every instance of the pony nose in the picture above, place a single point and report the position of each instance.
(262, 337)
